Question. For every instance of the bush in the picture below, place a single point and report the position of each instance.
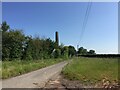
(57, 53)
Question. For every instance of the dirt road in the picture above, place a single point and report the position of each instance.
(34, 79)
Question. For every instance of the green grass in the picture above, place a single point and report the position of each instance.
(92, 69)
(18, 67)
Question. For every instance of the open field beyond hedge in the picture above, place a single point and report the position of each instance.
(92, 70)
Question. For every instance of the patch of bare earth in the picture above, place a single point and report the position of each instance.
(60, 83)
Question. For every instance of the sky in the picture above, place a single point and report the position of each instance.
(45, 18)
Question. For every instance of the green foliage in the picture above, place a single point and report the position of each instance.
(67, 51)
(64, 52)
(18, 67)
(71, 51)
(18, 46)
(83, 51)
(91, 52)
(57, 53)
(12, 44)
(38, 48)
(80, 50)
(5, 26)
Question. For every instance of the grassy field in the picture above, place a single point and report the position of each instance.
(18, 67)
(92, 70)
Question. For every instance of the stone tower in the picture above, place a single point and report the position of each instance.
(56, 39)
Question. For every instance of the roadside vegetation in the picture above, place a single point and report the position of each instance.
(18, 67)
(21, 53)
(92, 70)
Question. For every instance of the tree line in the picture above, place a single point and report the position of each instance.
(16, 45)
(83, 51)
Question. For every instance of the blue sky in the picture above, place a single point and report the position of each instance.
(43, 19)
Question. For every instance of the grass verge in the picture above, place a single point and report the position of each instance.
(18, 67)
(92, 70)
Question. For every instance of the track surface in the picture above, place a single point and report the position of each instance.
(34, 79)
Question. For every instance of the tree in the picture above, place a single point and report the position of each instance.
(71, 51)
(12, 44)
(38, 48)
(84, 52)
(64, 52)
(28, 48)
(5, 26)
(91, 52)
(57, 53)
(18, 46)
(80, 50)
(5, 51)
(48, 47)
